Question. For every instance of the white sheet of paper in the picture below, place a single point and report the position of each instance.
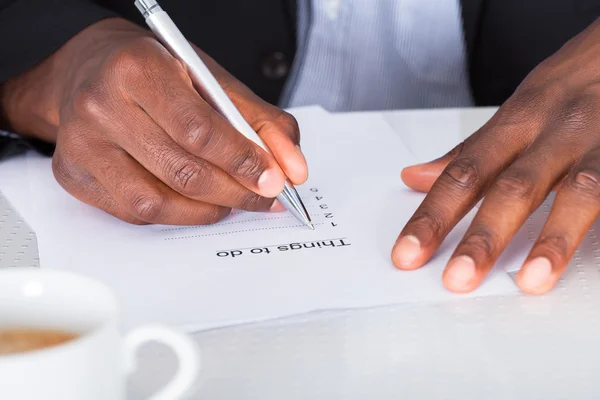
(254, 266)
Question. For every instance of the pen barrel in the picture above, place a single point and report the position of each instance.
(204, 81)
(211, 91)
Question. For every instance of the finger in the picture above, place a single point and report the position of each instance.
(281, 134)
(101, 199)
(278, 129)
(183, 172)
(421, 177)
(88, 190)
(576, 207)
(191, 123)
(145, 197)
(455, 192)
(514, 195)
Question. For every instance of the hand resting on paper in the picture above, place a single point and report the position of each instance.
(135, 139)
(547, 135)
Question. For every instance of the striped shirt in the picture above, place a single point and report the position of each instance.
(379, 54)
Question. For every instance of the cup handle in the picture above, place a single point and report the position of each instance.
(185, 349)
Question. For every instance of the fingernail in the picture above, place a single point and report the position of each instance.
(535, 274)
(277, 207)
(460, 273)
(270, 183)
(406, 251)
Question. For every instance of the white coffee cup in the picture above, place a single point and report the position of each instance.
(94, 365)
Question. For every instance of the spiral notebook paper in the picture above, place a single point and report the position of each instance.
(254, 266)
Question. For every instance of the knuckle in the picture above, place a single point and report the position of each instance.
(555, 244)
(480, 241)
(530, 95)
(198, 132)
(512, 114)
(138, 59)
(520, 109)
(131, 54)
(89, 102)
(462, 173)
(428, 224)
(68, 173)
(586, 181)
(124, 62)
(578, 113)
(515, 184)
(112, 207)
(246, 164)
(62, 170)
(148, 206)
(186, 175)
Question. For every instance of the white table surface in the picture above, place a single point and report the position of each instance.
(512, 347)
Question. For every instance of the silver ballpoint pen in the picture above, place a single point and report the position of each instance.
(171, 37)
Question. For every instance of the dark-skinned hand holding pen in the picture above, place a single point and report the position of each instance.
(135, 139)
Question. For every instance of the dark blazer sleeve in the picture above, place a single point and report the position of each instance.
(12, 144)
(31, 30)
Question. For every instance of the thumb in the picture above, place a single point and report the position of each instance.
(421, 177)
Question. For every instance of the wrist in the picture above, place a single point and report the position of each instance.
(31, 103)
